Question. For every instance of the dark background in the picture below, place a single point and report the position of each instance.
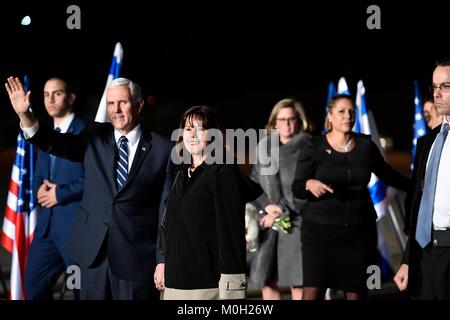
(239, 58)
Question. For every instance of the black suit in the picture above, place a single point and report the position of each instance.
(418, 285)
(119, 225)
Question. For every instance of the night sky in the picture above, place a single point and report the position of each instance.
(239, 59)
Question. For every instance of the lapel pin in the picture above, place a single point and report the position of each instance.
(328, 151)
(143, 149)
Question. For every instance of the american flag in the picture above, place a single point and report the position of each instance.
(20, 216)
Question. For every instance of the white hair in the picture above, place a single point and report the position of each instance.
(135, 89)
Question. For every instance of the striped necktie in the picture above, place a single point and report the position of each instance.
(122, 163)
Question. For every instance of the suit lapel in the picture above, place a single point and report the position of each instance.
(46, 156)
(56, 166)
(426, 152)
(143, 148)
(429, 142)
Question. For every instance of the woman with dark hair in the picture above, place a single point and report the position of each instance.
(339, 234)
(204, 223)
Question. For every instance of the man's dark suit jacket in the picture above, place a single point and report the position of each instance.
(69, 177)
(124, 223)
(412, 204)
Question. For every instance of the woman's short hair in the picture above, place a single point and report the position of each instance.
(209, 120)
(205, 114)
(304, 123)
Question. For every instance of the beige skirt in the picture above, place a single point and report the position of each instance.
(231, 286)
(194, 294)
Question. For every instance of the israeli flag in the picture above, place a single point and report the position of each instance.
(331, 94)
(331, 91)
(114, 72)
(419, 127)
(381, 194)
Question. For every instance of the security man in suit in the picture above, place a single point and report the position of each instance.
(424, 270)
(58, 187)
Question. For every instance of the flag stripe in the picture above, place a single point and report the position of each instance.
(20, 216)
(9, 229)
(7, 242)
(365, 123)
(11, 202)
(17, 290)
(377, 192)
(15, 178)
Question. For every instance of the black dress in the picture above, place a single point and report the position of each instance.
(339, 229)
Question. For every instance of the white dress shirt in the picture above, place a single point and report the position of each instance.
(64, 126)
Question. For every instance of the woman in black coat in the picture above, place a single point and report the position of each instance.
(204, 243)
(339, 233)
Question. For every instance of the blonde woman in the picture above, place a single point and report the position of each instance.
(278, 262)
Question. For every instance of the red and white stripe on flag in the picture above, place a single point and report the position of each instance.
(20, 217)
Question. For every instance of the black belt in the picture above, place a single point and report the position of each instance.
(441, 238)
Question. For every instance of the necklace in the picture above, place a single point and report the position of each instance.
(345, 147)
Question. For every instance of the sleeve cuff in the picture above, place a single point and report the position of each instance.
(232, 286)
(160, 259)
(29, 132)
(58, 194)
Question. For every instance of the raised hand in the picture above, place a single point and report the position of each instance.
(20, 99)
